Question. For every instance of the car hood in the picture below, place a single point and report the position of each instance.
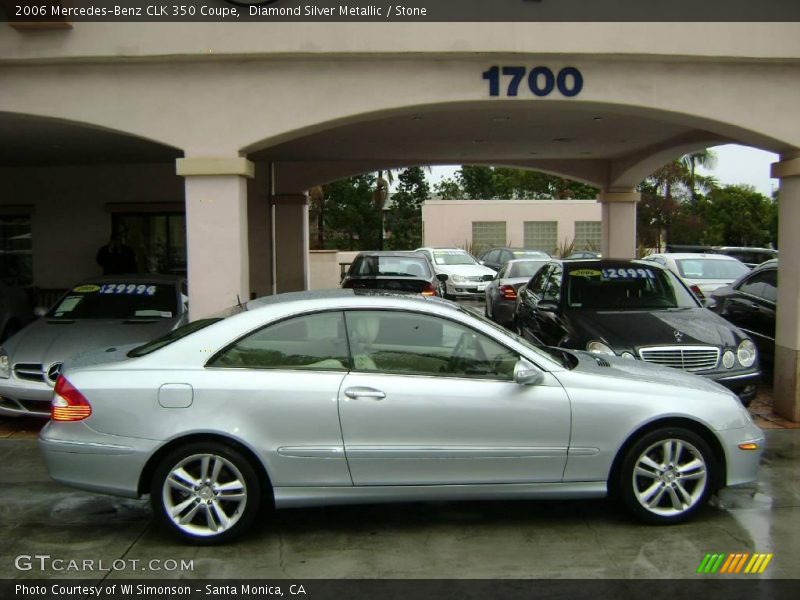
(48, 340)
(629, 330)
(464, 270)
(636, 370)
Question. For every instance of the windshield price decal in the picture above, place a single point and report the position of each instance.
(541, 81)
(628, 274)
(128, 289)
(586, 273)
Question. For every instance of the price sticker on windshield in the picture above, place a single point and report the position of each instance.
(629, 273)
(128, 289)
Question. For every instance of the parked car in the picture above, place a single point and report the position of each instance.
(497, 257)
(637, 311)
(749, 303)
(703, 273)
(395, 271)
(751, 257)
(103, 312)
(15, 310)
(466, 277)
(501, 293)
(351, 396)
(583, 254)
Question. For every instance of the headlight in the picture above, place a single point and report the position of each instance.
(458, 279)
(728, 359)
(5, 365)
(628, 355)
(746, 353)
(599, 348)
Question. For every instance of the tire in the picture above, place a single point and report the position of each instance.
(666, 476)
(201, 508)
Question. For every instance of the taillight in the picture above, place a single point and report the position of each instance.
(68, 403)
(509, 293)
(697, 292)
(428, 290)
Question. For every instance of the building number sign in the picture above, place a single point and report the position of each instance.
(541, 81)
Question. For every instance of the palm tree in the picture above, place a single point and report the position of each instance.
(706, 159)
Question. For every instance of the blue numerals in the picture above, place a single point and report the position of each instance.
(541, 80)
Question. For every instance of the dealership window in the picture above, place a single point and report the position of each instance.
(16, 257)
(486, 234)
(157, 239)
(588, 235)
(541, 235)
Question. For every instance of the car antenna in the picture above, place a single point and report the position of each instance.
(239, 303)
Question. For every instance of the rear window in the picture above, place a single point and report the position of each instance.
(525, 269)
(117, 300)
(708, 268)
(172, 336)
(393, 266)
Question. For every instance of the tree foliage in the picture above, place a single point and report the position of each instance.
(352, 220)
(404, 218)
(488, 183)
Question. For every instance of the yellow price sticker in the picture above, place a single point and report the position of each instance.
(86, 289)
(586, 273)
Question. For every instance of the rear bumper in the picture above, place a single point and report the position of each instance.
(80, 457)
(503, 311)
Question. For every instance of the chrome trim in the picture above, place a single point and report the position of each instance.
(73, 447)
(686, 358)
(311, 451)
(29, 372)
(454, 452)
(745, 376)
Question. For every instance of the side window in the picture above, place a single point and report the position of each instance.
(493, 257)
(552, 292)
(754, 285)
(505, 256)
(771, 285)
(311, 342)
(501, 274)
(537, 283)
(407, 343)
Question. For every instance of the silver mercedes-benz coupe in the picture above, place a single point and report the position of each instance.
(353, 397)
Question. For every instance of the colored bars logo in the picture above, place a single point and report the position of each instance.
(737, 563)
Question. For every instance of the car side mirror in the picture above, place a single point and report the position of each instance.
(442, 277)
(525, 373)
(547, 306)
(482, 262)
(39, 311)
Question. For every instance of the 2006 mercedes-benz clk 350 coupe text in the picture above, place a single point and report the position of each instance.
(351, 397)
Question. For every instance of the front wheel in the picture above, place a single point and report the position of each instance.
(666, 476)
(206, 493)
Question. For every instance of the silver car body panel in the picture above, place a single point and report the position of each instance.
(427, 438)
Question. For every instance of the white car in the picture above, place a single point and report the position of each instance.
(466, 277)
(703, 273)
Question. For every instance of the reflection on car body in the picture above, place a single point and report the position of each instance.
(350, 397)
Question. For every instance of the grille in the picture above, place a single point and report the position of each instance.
(475, 278)
(687, 358)
(29, 371)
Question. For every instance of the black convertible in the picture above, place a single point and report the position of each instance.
(636, 311)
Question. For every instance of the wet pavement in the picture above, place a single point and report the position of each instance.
(518, 539)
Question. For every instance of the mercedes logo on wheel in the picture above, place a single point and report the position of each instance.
(53, 371)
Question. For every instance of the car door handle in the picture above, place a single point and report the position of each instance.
(364, 392)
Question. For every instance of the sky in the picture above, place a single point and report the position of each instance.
(735, 164)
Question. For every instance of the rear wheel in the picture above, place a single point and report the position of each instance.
(666, 476)
(206, 493)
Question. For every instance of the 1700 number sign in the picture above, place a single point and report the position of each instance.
(541, 80)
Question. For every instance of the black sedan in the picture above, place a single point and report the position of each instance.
(749, 303)
(636, 311)
(395, 271)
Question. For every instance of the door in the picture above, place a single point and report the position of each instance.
(549, 323)
(752, 308)
(432, 401)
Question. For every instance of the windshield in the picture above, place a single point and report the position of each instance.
(398, 266)
(563, 357)
(526, 268)
(118, 300)
(709, 268)
(453, 257)
(624, 288)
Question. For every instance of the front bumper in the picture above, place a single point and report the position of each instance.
(744, 385)
(19, 398)
(470, 289)
(742, 465)
(80, 457)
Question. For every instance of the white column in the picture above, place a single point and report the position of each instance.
(619, 223)
(786, 392)
(290, 242)
(216, 232)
